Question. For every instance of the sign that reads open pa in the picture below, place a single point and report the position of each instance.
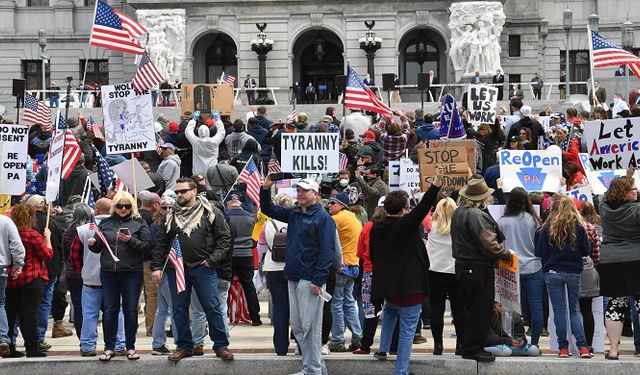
(13, 158)
(535, 170)
(310, 153)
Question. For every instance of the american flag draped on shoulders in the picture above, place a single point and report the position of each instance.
(251, 176)
(175, 257)
(358, 95)
(114, 30)
(72, 151)
(227, 78)
(147, 75)
(36, 112)
(605, 53)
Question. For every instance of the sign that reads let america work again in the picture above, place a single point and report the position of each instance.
(535, 170)
(613, 144)
(310, 153)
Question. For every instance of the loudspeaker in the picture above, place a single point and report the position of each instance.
(423, 81)
(341, 83)
(388, 81)
(18, 88)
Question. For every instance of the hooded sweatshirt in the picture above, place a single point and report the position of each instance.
(620, 236)
(427, 131)
(169, 169)
(235, 142)
(205, 148)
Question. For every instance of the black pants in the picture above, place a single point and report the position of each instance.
(243, 267)
(587, 319)
(59, 301)
(476, 286)
(327, 317)
(444, 285)
(24, 303)
(75, 288)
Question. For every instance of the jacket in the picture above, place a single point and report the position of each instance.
(169, 169)
(496, 334)
(11, 248)
(476, 237)
(264, 122)
(373, 191)
(257, 132)
(235, 142)
(398, 254)
(37, 254)
(74, 184)
(311, 240)
(537, 130)
(427, 131)
(567, 258)
(242, 222)
(357, 122)
(221, 177)
(620, 235)
(131, 254)
(205, 148)
(56, 264)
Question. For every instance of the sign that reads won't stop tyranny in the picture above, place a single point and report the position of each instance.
(310, 153)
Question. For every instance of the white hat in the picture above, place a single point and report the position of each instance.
(308, 184)
(525, 110)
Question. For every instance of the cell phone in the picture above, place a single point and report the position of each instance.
(124, 231)
(279, 176)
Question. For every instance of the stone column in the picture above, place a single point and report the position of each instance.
(7, 16)
(63, 16)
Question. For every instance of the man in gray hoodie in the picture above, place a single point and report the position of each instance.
(169, 169)
(11, 253)
(236, 140)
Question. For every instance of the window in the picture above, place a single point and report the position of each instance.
(97, 72)
(419, 53)
(32, 73)
(38, 3)
(580, 71)
(515, 78)
(514, 45)
(89, 3)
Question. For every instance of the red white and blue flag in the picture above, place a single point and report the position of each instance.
(605, 53)
(175, 257)
(292, 116)
(227, 78)
(36, 112)
(251, 176)
(274, 166)
(95, 128)
(147, 75)
(344, 161)
(359, 96)
(72, 150)
(106, 176)
(93, 227)
(114, 30)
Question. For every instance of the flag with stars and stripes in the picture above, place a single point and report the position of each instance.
(274, 166)
(358, 95)
(114, 30)
(605, 53)
(36, 112)
(175, 257)
(94, 228)
(292, 117)
(95, 128)
(159, 143)
(147, 75)
(251, 176)
(227, 78)
(72, 151)
(89, 199)
(106, 176)
(344, 161)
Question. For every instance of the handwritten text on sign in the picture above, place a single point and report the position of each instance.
(535, 170)
(452, 159)
(613, 144)
(507, 285)
(409, 175)
(13, 156)
(310, 153)
(482, 104)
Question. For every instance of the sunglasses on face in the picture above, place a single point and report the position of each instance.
(332, 203)
(125, 206)
(165, 207)
(183, 191)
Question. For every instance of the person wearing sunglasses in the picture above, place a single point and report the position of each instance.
(128, 239)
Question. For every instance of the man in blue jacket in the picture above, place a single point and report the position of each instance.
(311, 249)
(427, 130)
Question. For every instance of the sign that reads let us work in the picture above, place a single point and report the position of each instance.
(535, 170)
(613, 144)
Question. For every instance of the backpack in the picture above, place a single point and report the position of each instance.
(279, 247)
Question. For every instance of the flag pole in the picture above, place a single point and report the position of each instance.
(593, 86)
(84, 189)
(235, 182)
(46, 225)
(86, 62)
(133, 169)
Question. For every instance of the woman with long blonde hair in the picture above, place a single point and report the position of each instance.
(561, 243)
(442, 278)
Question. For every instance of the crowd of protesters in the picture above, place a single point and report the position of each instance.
(338, 254)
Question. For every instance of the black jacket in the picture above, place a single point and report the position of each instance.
(55, 266)
(131, 254)
(537, 130)
(74, 184)
(398, 254)
(476, 237)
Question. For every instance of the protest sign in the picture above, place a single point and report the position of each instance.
(534, 170)
(409, 175)
(600, 180)
(310, 152)
(125, 172)
(54, 166)
(545, 122)
(128, 119)
(613, 144)
(482, 101)
(582, 193)
(5, 203)
(13, 155)
(394, 175)
(207, 98)
(507, 284)
(452, 159)
(450, 117)
(469, 144)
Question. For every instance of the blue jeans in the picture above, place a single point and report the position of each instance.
(4, 325)
(116, 287)
(163, 312)
(45, 307)
(344, 309)
(408, 317)
(202, 279)
(91, 306)
(277, 285)
(636, 324)
(556, 283)
(305, 311)
(533, 283)
(199, 318)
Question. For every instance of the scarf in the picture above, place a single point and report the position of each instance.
(188, 219)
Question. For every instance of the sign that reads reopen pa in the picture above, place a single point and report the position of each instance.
(535, 170)
(310, 153)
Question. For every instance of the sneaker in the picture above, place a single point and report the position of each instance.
(362, 351)
(324, 351)
(198, 351)
(4, 349)
(419, 339)
(337, 347)
(563, 353)
(355, 345)
(89, 353)
(584, 352)
(256, 323)
(163, 350)
(44, 346)
(380, 355)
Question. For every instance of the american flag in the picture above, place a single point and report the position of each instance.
(238, 310)
(94, 228)
(359, 96)
(72, 151)
(106, 176)
(251, 176)
(605, 53)
(36, 112)
(159, 143)
(274, 166)
(89, 200)
(292, 116)
(227, 78)
(95, 128)
(147, 75)
(344, 161)
(175, 257)
(113, 30)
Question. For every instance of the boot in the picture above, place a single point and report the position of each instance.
(59, 330)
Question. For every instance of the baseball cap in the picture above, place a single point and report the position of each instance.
(525, 110)
(169, 146)
(308, 184)
(341, 198)
(209, 122)
(157, 127)
(36, 200)
(369, 134)
(173, 127)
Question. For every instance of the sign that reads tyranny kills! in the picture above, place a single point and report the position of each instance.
(310, 153)
(613, 144)
(452, 159)
(539, 170)
(482, 104)
(13, 156)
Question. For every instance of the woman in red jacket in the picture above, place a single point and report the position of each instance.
(24, 291)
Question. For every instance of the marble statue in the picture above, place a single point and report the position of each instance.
(166, 39)
(475, 37)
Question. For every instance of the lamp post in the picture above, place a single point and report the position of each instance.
(567, 19)
(262, 46)
(370, 44)
(593, 22)
(544, 32)
(42, 42)
(626, 30)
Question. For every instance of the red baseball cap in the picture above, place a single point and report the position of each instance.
(209, 122)
(173, 127)
(369, 134)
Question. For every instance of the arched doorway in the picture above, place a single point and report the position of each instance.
(213, 54)
(421, 50)
(318, 59)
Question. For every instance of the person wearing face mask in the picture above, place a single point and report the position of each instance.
(619, 105)
(205, 148)
(372, 186)
(344, 185)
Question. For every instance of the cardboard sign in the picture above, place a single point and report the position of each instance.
(310, 152)
(207, 97)
(409, 175)
(582, 193)
(54, 166)
(128, 119)
(454, 161)
(14, 141)
(469, 144)
(507, 284)
(533, 170)
(613, 144)
(482, 101)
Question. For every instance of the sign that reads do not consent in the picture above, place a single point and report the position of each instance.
(13, 156)
(310, 153)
